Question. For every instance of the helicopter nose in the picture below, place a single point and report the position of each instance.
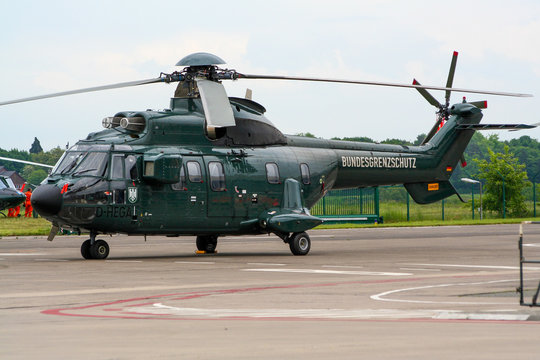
(47, 200)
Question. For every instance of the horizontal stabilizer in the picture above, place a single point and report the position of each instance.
(430, 192)
(288, 221)
(494, 126)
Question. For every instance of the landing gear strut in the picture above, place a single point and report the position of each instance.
(207, 243)
(94, 249)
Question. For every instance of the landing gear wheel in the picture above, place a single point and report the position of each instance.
(100, 250)
(299, 243)
(207, 243)
(85, 249)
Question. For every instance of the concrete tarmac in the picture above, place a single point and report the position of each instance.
(384, 293)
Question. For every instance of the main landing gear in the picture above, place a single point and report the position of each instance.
(207, 243)
(299, 243)
(94, 249)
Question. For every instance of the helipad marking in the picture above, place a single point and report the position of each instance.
(331, 272)
(381, 296)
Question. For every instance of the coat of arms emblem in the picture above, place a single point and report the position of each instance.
(132, 194)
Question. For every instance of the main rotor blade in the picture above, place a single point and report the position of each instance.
(432, 132)
(85, 90)
(26, 162)
(451, 76)
(427, 95)
(276, 77)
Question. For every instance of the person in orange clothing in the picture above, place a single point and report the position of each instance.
(11, 212)
(27, 204)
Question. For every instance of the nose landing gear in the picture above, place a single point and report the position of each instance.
(94, 249)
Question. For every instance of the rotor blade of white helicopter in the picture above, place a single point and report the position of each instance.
(26, 162)
(85, 90)
(429, 87)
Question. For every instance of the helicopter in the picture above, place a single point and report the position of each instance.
(10, 196)
(213, 165)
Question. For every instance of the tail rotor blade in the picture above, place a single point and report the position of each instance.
(427, 95)
(450, 80)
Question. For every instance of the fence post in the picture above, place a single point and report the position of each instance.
(324, 205)
(408, 213)
(442, 209)
(377, 201)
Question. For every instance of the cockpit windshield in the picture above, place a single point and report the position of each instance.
(68, 162)
(94, 164)
(79, 163)
(3, 183)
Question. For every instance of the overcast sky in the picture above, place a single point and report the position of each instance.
(50, 46)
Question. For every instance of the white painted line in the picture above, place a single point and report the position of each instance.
(195, 262)
(477, 266)
(51, 260)
(532, 245)
(266, 264)
(343, 266)
(415, 269)
(330, 272)
(481, 316)
(383, 296)
(21, 254)
(161, 309)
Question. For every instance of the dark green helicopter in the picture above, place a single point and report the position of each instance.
(213, 166)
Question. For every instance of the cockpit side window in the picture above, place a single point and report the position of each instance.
(131, 167)
(117, 167)
(3, 183)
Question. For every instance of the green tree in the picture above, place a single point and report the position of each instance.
(515, 180)
(36, 147)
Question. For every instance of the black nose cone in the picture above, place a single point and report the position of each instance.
(47, 200)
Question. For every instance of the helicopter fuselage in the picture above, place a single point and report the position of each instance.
(171, 178)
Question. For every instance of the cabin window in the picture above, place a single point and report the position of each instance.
(117, 167)
(304, 170)
(180, 185)
(217, 176)
(194, 171)
(272, 173)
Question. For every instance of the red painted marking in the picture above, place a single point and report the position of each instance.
(122, 314)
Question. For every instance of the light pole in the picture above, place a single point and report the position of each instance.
(472, 182)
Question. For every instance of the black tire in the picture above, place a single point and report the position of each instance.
(207, 243)
(100, 250)
(300, 243)
(85, 250)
